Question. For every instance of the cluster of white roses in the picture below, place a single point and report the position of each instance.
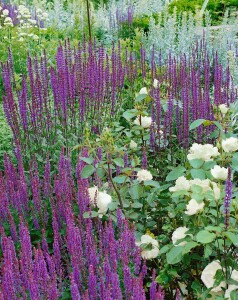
(100, 199)
(193, 207)
(4, 15)
(208, 278)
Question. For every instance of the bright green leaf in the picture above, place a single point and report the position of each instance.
(87, 171)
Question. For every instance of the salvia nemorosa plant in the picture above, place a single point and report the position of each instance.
(49, 250)
(86, 88)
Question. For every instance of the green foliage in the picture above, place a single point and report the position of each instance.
(216, 8)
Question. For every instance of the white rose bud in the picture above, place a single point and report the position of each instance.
(154, 251)
(178, 234)
(143, 91)
(223, 108)
(194, 207)
(181, 184)
(155, 83)
(93, 194)
(133, 145)
(230, 144)
(219, 172)
(103, 201)
(208, 275)
(145, 121)
(144, 175)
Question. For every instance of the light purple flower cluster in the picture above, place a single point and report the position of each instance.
(188, 88)
(60, 251)
(83, 87)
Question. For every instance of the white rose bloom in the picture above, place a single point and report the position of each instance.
(178, 234)
(133, 145)
(143, 91)
(208, 275)
(144, 175)
(155, 83)
(149, 254)
(204, 184)
(103, 201)
(216, 191)
(145, 121)
(193, 207)
(204, 152)
(230, 144)
(219, 172)
(181, 184)
(223, 108)
(93, 194)
(232, 287)
(5, 12)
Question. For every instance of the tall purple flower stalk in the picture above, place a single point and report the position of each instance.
(90, 256)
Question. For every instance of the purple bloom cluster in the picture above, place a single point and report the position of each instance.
(188, 89)
(62, 252)
(85, 89)
(82, 87)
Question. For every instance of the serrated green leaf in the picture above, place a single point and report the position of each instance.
(119, 162)
(205, 237)
(198, 173)
(87, 171)
(232, 237)
(129, 114)
(92, 214)
(174, 256)
(88, 160)
(196, 163)
(137, 205)
(176, 173)
(119, 179)
(140, 97)
(101, 172)
(189, 246)
(196, 124)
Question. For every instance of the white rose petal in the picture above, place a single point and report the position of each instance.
(181, 184)
(178, 234)
(203, 152)
(223, 108)
(230, 144)
(216, 191)
(219, 172)
(208, 275)
(145, 121)
(194, 207)
(149, 254)
(93, 194)
(204, 184)
(155, 83)
(103, 201)
(133, 145)
(144, 175)
(143, 91)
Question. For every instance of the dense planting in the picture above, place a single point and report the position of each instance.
(118, 150)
